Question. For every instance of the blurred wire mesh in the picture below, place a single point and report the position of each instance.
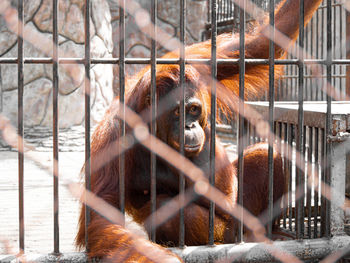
(311, 162)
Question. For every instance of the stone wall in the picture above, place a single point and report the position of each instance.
(168, 19)
(104, 43)
(38, 77)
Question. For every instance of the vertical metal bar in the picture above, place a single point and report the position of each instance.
(323, 176)
(322, 50)
(337, 46)
(285, 80)
(290, 183)
(334, 67)
(271, 137)
(208, 8)
(241, 129)
(303, 180)
(300, 139)
(306, 70)
(341, 55)
(223, 10)
(213, 115)
(309, 181)
(288, 80)
(154, 114)
(87, 113)
(1, 93)
(20, 125)
(285, 168)
(254, 134)
(312, 89)
(250, 134)
(228, 9)
(317, 51)
(280, 91)
(295, 72)
(329, 110)
(235, 14)
(316, 181)
(121, 179)
(182, 118)
(55, 125)
(347, 36)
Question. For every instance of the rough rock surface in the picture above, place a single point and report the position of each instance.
(138, 44)
(104, 24)
(38, 77)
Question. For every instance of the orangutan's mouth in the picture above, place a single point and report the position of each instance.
(187, 147)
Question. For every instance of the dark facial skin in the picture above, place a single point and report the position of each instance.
(169, 124)
(168, 130)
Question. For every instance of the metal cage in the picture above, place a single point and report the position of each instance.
(319, 146)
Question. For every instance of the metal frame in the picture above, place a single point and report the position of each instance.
(331, 219)
(322, 220)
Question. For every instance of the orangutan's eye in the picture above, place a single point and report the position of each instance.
(194, 110)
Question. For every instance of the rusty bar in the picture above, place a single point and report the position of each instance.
(153, 117)
(290, 169)
(285, 160)
(182, 120)
(323, 176)
(300, 136)
(309, 179)
(341, 55)
(20, 125)
(56, 228)
(322, 50)
(122, 100)
(87, 113)
(328, 130)
(316, 181)
(213, 116)
(241, 128)
(121, 175)
(312, 54)
(318, 51)
(146, 61)
(348, 52)
(271, 136)
(306, 70)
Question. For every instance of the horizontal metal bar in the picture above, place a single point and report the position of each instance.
(173, 61)
(308, 249)
(332, 5)
(314, 113)
(340, 62)
(312, 76)
(228, 21)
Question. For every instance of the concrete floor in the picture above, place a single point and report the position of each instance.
(38, 202)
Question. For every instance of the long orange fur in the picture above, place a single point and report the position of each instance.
(113, 242)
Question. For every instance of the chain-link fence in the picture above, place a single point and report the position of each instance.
(157, 156)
